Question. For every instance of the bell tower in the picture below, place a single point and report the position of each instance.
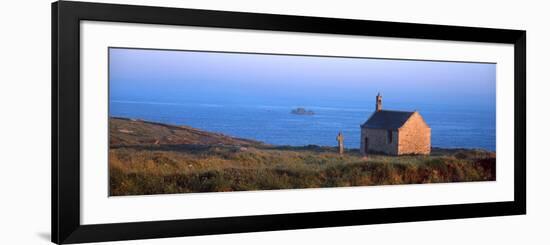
(378, 102)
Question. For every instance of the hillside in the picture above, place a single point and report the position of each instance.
(124, 132)
(155, 158)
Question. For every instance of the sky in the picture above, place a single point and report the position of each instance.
(168, 76)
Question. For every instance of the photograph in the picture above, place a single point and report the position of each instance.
(195, 121)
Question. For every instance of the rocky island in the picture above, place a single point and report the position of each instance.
(302, 111)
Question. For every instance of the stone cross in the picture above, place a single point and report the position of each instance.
(340, 139)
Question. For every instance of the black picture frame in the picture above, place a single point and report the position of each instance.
(66, 17)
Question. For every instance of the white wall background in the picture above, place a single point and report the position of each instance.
(25, 121)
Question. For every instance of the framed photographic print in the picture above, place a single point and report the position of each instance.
(176, 122)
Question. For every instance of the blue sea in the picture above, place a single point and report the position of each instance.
(452, 126)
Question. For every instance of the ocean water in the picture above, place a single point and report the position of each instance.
(452, 126)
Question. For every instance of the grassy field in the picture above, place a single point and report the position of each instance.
(152, 158)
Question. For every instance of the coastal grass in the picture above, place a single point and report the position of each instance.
(164, 169)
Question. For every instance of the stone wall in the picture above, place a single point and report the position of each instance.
(414, 136)
(378, 141)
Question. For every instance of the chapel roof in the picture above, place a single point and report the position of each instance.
(387, 119)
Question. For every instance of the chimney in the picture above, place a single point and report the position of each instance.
(378, 102)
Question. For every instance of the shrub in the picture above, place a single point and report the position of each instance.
(160, 170)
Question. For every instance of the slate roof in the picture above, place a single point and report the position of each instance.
(386, 119)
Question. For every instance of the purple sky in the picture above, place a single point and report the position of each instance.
(210, 77)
